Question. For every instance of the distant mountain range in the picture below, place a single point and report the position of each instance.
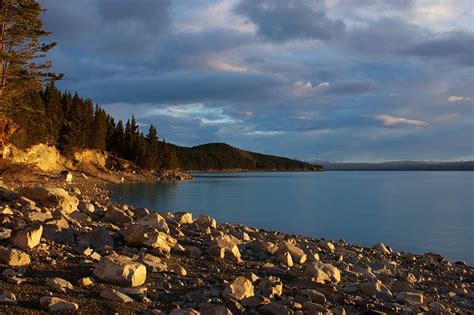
(223, 157)
(401, 166)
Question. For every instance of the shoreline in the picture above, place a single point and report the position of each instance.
(251, 269)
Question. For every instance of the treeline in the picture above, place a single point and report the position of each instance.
(221, 156)
(72, 123)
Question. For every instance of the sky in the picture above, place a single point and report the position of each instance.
(329, 80)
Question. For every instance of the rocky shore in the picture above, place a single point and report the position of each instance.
(67, 247)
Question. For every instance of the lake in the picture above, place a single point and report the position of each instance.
(410, 211)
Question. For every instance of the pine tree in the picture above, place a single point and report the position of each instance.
(98, 130)
(53, 113)
(21, 30)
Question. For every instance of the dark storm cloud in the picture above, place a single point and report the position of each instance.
(183, 86)
(383, 37)
(190, 49)
(457, 46)
(109, 27)
(282, 20)
(153, 14)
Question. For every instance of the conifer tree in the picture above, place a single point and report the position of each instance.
(21, 30)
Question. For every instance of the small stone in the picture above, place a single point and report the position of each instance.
(85, 282)
(7, 298)
(180, 270)
(114, 295)
(59, 284)
(54, 304)
(193, 251)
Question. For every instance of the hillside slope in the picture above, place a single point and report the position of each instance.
(221, 156)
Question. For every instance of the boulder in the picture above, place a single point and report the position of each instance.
(314, 308)
(382, 248)
(255, 301)
(285, 258)
(206, 221)
(27, 238)
(274, 308)
(321, 272)
(296, 253)
(271, 287)
(114, 295)
(14, 257)
(54, 304)
(184, 311)
(52, 198)
(148, 236)
(155, 220)
(239, 289)
(183, 217)
(215, 310)
(377, 289)
(262, 246)
(411, 298)
(117, 215)
(98, 238)
(223, 246)
(58, 231)
(154, 263)
(120, 270)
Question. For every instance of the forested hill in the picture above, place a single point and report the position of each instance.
(221, 156)
(72, 123)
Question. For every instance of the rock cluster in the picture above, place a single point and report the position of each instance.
(60, 249)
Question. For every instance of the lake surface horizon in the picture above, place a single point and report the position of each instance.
(414, 212)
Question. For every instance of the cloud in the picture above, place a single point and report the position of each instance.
(456, 98)
(389, 120)
(457, 46)
(283, 20)
(347, 87)
(199, 112)
(224, 66)
(322, 86)
(301, 88)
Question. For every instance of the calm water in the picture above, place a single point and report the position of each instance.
(410, 211)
